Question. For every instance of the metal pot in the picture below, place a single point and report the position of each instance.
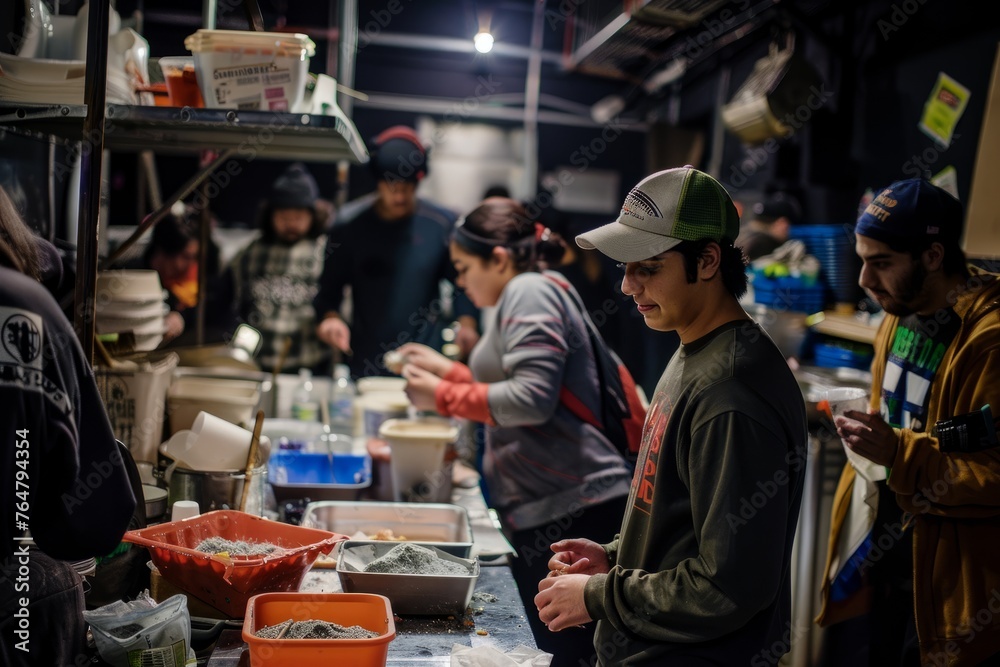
(156, 501)
(218, 490)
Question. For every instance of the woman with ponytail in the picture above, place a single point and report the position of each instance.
(549, 474)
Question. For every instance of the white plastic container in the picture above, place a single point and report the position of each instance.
(371, 410)
(242, 69)
(417, 455)
(232, 400)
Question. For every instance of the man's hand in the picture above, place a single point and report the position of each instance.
(560, 601)
(334, 332)
(578, 557)
(420, 387)
(425, 358)
(868, 435)
(173, 325)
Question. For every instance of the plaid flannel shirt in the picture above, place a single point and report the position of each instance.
(273, 290)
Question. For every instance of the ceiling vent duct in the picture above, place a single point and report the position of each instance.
(678, 13)
(619, 40)
(779, 86)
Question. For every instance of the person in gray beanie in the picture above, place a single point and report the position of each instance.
(274, 279)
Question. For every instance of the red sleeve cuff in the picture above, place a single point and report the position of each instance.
(458, 372)
(467, 400)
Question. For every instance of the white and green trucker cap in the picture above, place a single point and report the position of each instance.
(671, 206)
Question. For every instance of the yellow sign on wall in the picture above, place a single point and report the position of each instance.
(943, 109)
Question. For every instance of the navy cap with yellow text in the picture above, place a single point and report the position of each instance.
(911, 209)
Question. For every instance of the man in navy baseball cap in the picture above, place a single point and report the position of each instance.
(923, 555)
(911, 211)
(920, 226)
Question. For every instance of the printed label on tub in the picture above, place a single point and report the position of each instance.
(243, 86)
(276, 100)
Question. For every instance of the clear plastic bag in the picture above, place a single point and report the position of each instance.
(143, 632)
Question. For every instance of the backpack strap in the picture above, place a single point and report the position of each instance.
(566, 397)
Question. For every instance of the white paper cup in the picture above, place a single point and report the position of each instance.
(212, 444)
(184, 509)
(841, 400)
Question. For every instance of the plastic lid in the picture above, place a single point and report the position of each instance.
(418, 430)
(390, 401)
(210, 40)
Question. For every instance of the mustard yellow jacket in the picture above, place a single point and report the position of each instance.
(953, 497)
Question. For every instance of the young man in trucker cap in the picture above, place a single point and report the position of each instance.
(928, 569)
(699, 573)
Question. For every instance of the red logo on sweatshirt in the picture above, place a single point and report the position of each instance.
(644, 479)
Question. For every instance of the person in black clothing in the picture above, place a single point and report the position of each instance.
(770, 225)
(173, 252)
(64, 479)
(393, 253)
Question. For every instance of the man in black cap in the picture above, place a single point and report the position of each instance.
(393, 254)
(914, 540)
(770, 225)
(274, 279)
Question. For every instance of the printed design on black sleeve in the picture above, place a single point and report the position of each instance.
(644, 478)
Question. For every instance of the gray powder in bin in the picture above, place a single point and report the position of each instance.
(414, 559)
(214, 545)
(315, 630)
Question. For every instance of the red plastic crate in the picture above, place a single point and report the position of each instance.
(372, 612)
(227, 583)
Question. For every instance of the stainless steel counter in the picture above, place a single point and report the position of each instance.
(497, 613)
(494, 618)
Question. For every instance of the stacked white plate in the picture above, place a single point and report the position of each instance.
(131, 300)
(42, 80)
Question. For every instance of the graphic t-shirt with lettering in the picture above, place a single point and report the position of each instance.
(917, 350)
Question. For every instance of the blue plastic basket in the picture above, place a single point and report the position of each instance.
(833, 246)
(788, 293)
(835, 356)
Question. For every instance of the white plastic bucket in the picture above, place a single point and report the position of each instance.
(232, 400)
(242, 69)
(371, 410)
(417, 456)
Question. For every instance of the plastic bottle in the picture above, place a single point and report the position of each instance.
(342, 396)
(305, 407)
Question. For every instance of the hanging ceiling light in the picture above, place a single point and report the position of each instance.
(483, 41)
(484, 38)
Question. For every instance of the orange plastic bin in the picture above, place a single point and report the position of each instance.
(372, 612)
(227, 583)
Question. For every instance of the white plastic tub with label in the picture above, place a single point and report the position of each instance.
(242, 69)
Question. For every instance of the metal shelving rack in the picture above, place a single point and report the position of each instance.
(271, 135)
(234, 134)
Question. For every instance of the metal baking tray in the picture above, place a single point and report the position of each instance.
(413, 594)
(440, 525)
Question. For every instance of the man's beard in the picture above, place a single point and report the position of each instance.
(287, 241)
(903, 304)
